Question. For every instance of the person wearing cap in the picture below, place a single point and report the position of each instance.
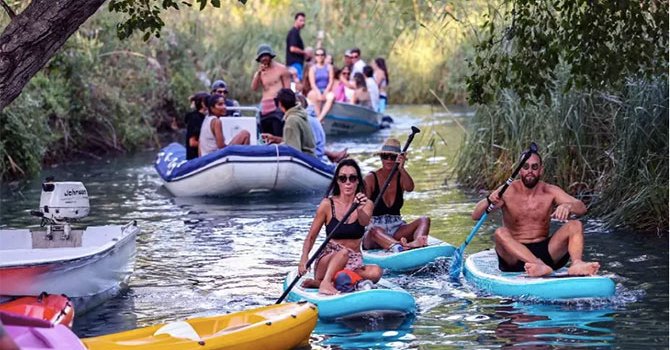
(387, 229)
(523, 242)
(271, 76)
(220, 87)
(297, 132)
(347, 59)
(295, 48)
(194, 121)
(343, 250)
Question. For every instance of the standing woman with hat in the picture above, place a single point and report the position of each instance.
(387, 229)
(272, 77)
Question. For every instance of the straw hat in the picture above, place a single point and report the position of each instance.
(391, 145)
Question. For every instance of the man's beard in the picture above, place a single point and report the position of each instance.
(530, 181)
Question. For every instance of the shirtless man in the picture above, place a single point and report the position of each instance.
(272, 76)
(523, 242)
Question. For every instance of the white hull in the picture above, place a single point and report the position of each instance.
(103, 262)
(236, 175)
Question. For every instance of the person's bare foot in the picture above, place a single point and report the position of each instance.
(327, 288)
(537, 269)
(581, 268)
(419, 242)
(310, 283)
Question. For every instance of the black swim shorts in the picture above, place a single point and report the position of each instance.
(540, 250)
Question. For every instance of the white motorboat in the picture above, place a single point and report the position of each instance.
(58, 259)
(345, 119)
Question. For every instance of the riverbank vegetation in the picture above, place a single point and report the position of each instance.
(588, 82)
(102, 95)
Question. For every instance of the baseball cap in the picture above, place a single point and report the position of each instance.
(347, 53)
(219, 84)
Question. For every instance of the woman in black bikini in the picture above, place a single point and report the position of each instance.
(387, 229)
(343, 250)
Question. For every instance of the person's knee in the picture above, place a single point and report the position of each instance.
(424, 220)
(575, 226)
(374, 272)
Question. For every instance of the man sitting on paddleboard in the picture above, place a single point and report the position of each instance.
(387, 229)
(523, 242)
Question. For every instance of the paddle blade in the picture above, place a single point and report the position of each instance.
(456, 265)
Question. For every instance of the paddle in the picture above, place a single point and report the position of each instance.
(353, 207)
(457, 263)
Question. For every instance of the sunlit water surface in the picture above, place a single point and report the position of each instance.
(205, 256)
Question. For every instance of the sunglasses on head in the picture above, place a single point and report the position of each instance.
(527, 166)
(388, 156)
(320, 54)
(343, 178)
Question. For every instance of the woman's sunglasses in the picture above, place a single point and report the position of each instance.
(343, 178)
(388, 156)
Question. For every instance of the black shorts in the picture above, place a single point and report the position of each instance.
(272, 123)
(540, 250)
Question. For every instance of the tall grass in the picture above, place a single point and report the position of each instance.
(101, 95)
(609, 150)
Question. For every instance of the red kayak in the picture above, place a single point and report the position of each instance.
(56, 309)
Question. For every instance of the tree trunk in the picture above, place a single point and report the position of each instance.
(34, 36)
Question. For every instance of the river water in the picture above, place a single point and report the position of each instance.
(204, 256)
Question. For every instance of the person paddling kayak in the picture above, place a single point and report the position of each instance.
(523, 242)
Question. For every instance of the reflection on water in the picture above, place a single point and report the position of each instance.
(205, 256)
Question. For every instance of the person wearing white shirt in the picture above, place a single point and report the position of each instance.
(372, 86)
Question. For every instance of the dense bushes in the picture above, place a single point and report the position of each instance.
(100, 94)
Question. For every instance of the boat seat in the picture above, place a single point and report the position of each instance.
(180, 329)
(231, 329)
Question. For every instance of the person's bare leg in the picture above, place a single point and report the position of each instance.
(242, 138)
(337, 263)
(330, 99)
(313, 99)
(370, 272)
(336, 156)
(377, 238)
(319, 271)
(414, 234)
(512, 251)
(570, 239)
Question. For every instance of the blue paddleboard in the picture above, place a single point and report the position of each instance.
(386, 298)
(481, 269)
(409, 260)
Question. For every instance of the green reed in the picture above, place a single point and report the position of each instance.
(609, 150)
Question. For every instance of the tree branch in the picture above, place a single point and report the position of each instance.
(8, 9)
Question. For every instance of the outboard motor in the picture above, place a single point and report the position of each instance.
(60, 204)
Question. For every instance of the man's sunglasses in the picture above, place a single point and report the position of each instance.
(388, 156)
(343, 178)
(221, 92)
(527, 166)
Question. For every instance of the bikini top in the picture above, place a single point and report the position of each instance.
(353, 230)
(381, 208)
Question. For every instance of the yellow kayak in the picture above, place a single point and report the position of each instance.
(280, 327)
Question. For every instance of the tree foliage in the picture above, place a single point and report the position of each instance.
(601, 42)
(145, 15)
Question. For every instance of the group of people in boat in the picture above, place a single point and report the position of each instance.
(316, 85)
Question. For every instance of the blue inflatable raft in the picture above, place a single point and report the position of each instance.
(409, 260)
(386, 298)
(481, 269)
(237, 170)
